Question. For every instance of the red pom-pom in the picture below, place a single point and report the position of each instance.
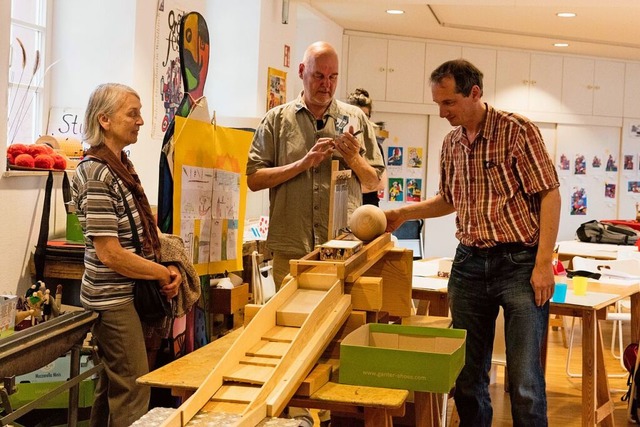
(44, 161)
(25, 161)
(16, 149)
(60, 162)
(37, 149)
(11, 159)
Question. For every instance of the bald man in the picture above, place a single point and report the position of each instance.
(291, 155)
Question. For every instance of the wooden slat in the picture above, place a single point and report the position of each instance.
(268, 349)
(259, 361)
(284, 334)
(236, 393)
(249, 374)
(227, 407)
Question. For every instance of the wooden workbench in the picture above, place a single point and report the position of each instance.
(377, 405)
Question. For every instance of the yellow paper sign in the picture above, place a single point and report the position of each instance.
(210, 190)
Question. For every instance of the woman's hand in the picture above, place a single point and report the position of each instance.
(171, 288)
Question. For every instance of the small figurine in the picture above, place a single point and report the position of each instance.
(46, 305)
(30, 291)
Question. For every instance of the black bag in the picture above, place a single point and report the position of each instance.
(150, 304)
(599, 232)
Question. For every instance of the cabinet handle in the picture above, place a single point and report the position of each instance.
(533, 82)
(391, 70)
(382, 69)
(525, 82)
(596, 87)
(590, 87)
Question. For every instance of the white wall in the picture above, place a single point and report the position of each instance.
(112, 41)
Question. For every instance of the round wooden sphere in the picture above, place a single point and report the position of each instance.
(367, 222)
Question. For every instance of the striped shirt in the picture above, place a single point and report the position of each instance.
(101, 212)
(493, 181)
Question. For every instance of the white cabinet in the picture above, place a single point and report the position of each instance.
(632, 90)
(528, 82)
(391, 70)
(483, 59)
(593, 87)
(435, 55)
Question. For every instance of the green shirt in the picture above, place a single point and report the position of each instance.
(299, 208)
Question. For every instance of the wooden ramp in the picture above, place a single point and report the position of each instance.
(266, 364)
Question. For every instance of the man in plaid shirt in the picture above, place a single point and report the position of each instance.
(496, 174)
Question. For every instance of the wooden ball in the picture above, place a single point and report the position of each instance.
(367, 222)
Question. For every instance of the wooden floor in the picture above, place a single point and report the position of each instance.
(564, 393)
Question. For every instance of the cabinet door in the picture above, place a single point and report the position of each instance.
(368, 66)
(608, 88)
(485, 60)
(632, 91)
(405, 71)
(436, 54)
(577, 85)
(512, 81)
(545, 83)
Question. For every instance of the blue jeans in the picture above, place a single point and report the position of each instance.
(481, 281)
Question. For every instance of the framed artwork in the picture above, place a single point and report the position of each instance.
(276, 88)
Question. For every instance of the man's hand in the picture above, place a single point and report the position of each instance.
(348, 146)
(393, 220)
(321, 151)
(542, 282)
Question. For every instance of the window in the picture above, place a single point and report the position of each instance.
(26, 71)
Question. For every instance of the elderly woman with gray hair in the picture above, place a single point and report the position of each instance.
(104, 183)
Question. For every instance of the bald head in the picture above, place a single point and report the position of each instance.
(319, 73)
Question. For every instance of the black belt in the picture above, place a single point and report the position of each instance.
(500, 248)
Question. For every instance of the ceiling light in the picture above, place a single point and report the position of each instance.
(561, 44)
(395, 11)
(566, 15)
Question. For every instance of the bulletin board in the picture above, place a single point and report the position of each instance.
(210, 192)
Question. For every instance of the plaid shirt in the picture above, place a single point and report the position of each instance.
(493, 181)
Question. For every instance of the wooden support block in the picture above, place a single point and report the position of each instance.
(396, 271)
(366, 293)
(316, 379)
(296, 310)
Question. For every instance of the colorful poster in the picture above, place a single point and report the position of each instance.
(579, 201)
(413, 188)
(394, 157)
(276, 88)
(168, 89)
(396, 193)
(414, 158)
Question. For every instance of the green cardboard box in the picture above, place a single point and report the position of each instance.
(405, 357)
(28, 392)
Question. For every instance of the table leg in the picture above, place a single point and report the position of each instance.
(427, 408)
(377, 417)
(597, 406)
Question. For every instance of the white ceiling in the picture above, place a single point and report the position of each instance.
(604, 28)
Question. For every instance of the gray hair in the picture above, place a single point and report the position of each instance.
(105, 99)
